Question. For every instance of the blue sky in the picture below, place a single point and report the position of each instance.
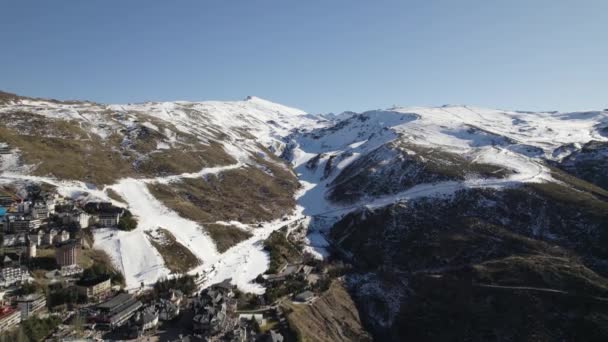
(318, 55)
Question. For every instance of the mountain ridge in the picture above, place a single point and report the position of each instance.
(222, 176)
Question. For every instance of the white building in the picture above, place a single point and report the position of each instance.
(259, 318)
(12, 275)
(50, 204)
(80, 218)
(146, 318)
(21, 224)
(62, 237)
(9, 318)
(70, 270)
(109, 219)
(49, 237)
(31, 250)
(37, 237)
(40, 211)
(10, 240)
(24, 207)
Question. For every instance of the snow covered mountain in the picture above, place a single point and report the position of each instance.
(155, 159)
(416, 198)
(382, 156)
(433, 204)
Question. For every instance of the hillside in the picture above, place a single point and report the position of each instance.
(589, 163)
(457, 218)
(412, 260)
(452, 217)
(205, 173)
(332, 317)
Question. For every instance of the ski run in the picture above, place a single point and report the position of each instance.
(475, 133)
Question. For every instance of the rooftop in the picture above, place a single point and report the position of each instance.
(31, 297)
(304, 296)
(5, 311)
(92, 281)
(115, 302)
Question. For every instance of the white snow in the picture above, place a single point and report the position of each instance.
(132, 253)
(162, 146)
(151, 126)
(152, 214)
(202, 173)
(514, 140)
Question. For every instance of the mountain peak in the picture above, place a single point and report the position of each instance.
(260, 102)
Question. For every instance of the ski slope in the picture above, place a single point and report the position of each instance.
(517, 141)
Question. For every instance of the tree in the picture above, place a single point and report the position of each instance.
(184, 283)
(127, 222)
(78, 323)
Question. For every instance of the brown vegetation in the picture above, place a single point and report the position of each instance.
(63, 149)
(332, 317)
(226, 236)
(177, 257)
(247, 195)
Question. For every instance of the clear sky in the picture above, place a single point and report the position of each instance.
(317, 55)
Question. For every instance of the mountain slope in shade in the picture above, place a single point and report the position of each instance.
(472, 266)
(589, 163)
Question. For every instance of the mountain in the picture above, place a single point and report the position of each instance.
(464, 223)
(460, 223)
(588, 162)
(205, 172)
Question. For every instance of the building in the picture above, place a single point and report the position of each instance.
(106, 213)
(49, 237)
(24, 207)
(62, 237)
(116, 311)
(40, 211)
(213, 309)
(176, 296)
(304, 296)
(5, 148)
(211, 321)
(289, 270)
(81, 219)
(51, 201)
(77, 217)
(20, 224)
(66, 254)
(31, 249)
(94, 288)
(259, 318)
(6, 200)
(37, 237)
(9, 318)
(11, 260)
(11, 275)
(31, 304)
(147, 318)
(167, 310)
(142, 321)
(9, 240)
(71, 270)
(109, 219)
(11, 272)
(274, 336)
